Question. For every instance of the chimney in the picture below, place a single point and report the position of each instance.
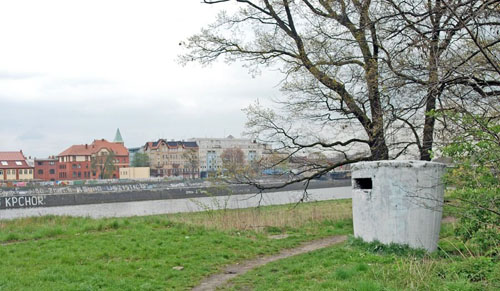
(86, 146)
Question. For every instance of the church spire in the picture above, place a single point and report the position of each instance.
(118, 137)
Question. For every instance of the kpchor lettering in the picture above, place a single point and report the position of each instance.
(23, 201)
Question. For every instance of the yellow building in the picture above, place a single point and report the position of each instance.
(14, 167)
(173, 158)
(134, 173)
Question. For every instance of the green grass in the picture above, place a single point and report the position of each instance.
(139, 253)
(346, 267)
(356, 265)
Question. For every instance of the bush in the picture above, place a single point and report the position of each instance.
(475, 177)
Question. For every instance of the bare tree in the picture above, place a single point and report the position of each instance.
(437, 58)
(361, 78)
(233, 161)
(192, 162)
(104, 165)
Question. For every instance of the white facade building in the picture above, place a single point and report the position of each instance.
(210, 151)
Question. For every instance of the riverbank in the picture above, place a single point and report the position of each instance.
(161, 202)
(176, 251)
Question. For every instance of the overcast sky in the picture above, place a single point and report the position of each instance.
(74, 71)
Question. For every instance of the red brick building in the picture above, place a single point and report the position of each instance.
(46, 169)
(101, 159)
(15, 167)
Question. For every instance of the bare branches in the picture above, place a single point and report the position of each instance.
(360, 76)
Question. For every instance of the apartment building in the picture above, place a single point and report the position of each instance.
(211, 149)
(173, 158)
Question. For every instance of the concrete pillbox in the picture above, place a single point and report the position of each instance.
(398, 202)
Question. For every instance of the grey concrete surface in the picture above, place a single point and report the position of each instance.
(186, 204)
(398, 202)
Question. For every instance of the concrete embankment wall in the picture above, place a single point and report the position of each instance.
(54, 197)
(122, 199)
(154, 207)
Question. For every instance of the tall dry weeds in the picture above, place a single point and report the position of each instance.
(262, 217)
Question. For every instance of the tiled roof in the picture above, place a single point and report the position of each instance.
(97, 145)
(78, 150)
(190, 144)
(13, 160)
(154, 144)
(117, 148)
(171, 144)
(11, 156)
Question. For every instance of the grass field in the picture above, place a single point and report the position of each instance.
(141, 253)
(177, 251)
(371, 267)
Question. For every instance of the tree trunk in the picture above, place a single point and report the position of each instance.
(378, 147)
(432, 91)
(428, 135)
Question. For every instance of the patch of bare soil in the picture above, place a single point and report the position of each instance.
(278, 236)
(449, 219)
(231, 271)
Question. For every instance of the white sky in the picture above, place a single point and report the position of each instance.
(74, 71)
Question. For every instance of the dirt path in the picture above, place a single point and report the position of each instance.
(231, 271)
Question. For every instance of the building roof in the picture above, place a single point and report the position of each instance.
(190, 144)
(171, 144)
(134, 150)
(96, 146)
(12, 156)
(117, 148)
(12, 160)
(49, 159)
(77, 150)
(118, 136)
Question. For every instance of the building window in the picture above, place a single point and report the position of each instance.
(4, 163)
(1, 172)
(39, 163)
(40, 172)
(52, 171)
(19, 163)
